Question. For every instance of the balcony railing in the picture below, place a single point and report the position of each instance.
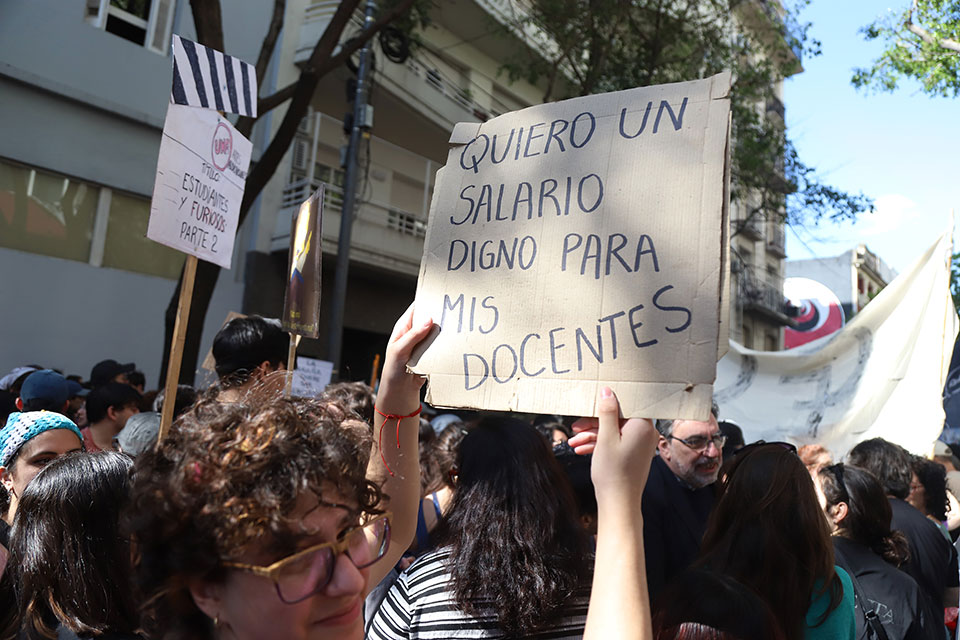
(763, 294)
(403, 222)
(443, 85)
(390, 219)
(751, 227)
(385, 234)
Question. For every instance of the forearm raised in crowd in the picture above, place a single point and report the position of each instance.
(402, 487)
(619, 602)
(395, 458)
(622, 451)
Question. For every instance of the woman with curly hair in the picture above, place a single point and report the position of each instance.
(511, 560)
(260, 522)
(859, 515)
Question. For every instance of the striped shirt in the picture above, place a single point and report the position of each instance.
(421, 606)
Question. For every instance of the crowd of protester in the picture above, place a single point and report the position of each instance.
(363, 514)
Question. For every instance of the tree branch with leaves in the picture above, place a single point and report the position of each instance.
(607, 45)
(922, 43)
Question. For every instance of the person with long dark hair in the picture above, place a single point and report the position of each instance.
(768, 532)
(511, 560)
(859, 514)
(71, 565)
(704, 605)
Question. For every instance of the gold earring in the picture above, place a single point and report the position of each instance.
(216, 620)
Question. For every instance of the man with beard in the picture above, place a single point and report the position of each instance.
(679, 496)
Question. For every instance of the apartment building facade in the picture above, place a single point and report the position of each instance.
(855, 276)
(758, 310)
(84, 89)
(80, 124)
(83, 94)
(453, 76)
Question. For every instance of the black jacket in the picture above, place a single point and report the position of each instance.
(933, 560)
(891, 593)
(674, 521)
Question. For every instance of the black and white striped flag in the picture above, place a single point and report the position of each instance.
(204, 77)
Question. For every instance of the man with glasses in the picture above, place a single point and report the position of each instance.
(678, 496)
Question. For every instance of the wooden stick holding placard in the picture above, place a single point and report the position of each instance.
(199, 144)
(375, 371)
(292, 361)
(176, 348)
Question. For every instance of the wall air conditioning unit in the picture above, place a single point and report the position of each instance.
(301, 150)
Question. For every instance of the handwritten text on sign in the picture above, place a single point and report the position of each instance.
(575, 245)
(200, 178)
(311, 377)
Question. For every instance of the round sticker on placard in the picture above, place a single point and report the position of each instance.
(222, 146)
(820, 311)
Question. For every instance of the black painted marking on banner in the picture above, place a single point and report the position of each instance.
(231, 83)
(191, 51)
(179, 95)
(215, 78)
(247, 95)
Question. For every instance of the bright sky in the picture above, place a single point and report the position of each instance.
(899, 148)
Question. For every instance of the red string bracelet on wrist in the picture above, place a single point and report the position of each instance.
(387, 418)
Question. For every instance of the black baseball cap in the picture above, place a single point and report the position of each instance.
(106, 370)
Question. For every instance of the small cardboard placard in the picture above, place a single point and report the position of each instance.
(579, 244)
(209, 362)
(311, 377)
(301, 304)
(201, 174)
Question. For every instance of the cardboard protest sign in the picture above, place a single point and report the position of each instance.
(311, 377)
(201, 174)
(301, 304)
(579, 244)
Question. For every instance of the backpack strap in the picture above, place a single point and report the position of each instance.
(870, 617)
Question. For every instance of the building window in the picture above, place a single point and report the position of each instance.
(143, 22)
(127, 246)
(53, 215)
(46, 213)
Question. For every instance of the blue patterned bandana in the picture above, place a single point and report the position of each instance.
(23, 427)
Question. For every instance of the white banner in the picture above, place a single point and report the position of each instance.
(881, 376)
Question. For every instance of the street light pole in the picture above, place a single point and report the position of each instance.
(335, 330)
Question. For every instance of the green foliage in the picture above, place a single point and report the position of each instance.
(908, 54)
(593, 46)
